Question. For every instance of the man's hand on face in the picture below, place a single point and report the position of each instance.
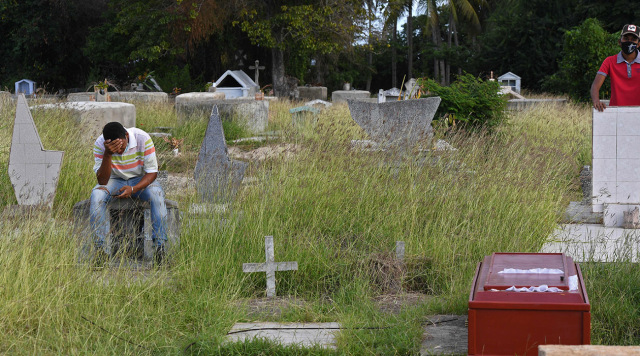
(114, 146)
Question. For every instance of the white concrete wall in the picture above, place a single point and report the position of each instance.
(616, 162)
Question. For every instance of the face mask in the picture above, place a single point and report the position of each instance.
(628, 47)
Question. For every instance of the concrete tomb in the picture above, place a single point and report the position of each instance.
(92, 116)
(616, 162)
(341, 96)
(130, 228)
(25, 86)
(33, 171)
(312, 93)
(253, 114)
(235, 84)
(301, 334)
(217, 177)
(123, 96)
(397, 123)
(270, 267)
(510, 80)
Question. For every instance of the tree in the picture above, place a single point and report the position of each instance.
(525, 37)
(455, 11)
(288, 26)
(584, 49)
(136, 34)
(42, 41)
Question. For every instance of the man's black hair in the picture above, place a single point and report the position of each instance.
(114, 130)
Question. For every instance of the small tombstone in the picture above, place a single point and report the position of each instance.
(631, 219)
(217, 177)
(400, 251)
(381, 97)
(33, 171)
(270, 266)
(257, 68)
(303, 114)
(318, 103)
(412, 88)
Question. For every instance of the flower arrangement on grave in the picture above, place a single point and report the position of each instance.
(174, 143)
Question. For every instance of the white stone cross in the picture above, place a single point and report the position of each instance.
(258, 68)
(270, 266)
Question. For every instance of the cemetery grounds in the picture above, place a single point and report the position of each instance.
(335, 210)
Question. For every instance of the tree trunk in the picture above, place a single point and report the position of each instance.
(278, 73)
(394, 56)
(410, 41)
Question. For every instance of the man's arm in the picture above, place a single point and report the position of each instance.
(595, 92)
(128, 190)
(104, 172)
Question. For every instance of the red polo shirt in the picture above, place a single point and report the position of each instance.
(625, 80)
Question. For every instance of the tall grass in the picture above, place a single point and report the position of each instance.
(335, 210)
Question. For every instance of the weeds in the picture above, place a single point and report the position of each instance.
(335, 210)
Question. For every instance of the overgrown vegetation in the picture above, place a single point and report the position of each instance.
(470, 102)
(335, 210)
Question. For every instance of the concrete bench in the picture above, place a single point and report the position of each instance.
(130, 229)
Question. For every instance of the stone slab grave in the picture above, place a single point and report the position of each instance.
(254, 114)
(33, 171)
(594, 242)
(445, 335)
(616, 162)
(301, 334)
(217, 177)
(396, 123)
(91, 116)
(130, 229)
(312, 93)
(126, 96)
(270, 266)
(341, 96)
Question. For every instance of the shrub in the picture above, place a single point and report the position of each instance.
(469, 101)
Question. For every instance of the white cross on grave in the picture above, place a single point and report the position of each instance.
(270, 266)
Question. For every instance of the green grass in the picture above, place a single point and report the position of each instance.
(336, 211)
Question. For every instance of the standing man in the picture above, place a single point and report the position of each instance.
(624, 71)
(126, 167)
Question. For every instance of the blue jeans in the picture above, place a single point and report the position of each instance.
(98, 214)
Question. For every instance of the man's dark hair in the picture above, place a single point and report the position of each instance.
(114, 130)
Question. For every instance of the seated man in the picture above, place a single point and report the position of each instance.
(126, 167)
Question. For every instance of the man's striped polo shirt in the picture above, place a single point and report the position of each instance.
(137, 159)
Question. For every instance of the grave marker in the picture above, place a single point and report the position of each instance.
(217, 176)
(400, 250)
(258, 68)
(270, 266)
(33, 171)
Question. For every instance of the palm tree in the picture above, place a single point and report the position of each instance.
(466, 10)
(394, 10)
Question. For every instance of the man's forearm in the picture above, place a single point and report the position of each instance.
(104, 172)
(144, 182)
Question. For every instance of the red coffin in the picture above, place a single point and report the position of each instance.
(509, 323)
